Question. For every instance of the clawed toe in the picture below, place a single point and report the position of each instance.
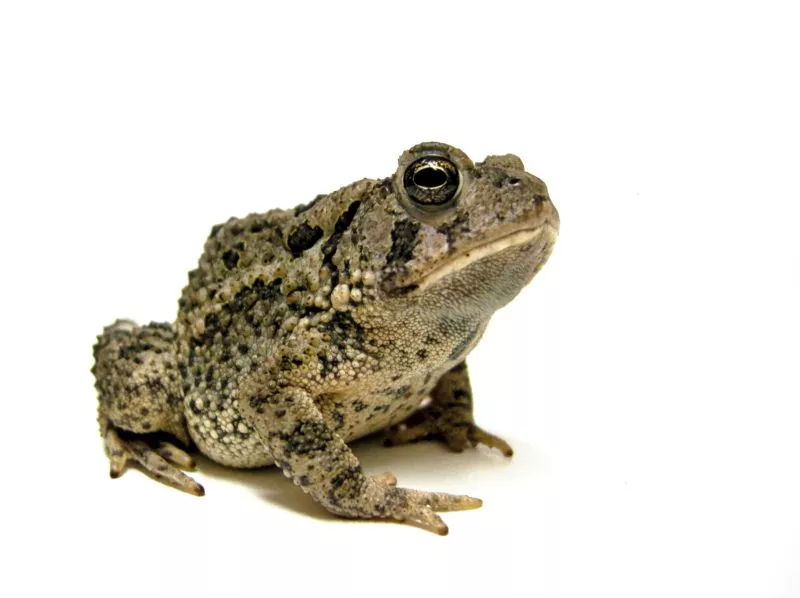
(479, 436)
(176, 456)
(161, 469)
(427, 519)
(161, 463)
(457, 437)
(420, 507)
(441, 501)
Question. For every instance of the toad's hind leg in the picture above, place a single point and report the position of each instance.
(140, 397)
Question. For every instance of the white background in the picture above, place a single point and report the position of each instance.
(648, 378)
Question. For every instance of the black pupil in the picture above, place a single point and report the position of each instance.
(432, 183)
(430, 177)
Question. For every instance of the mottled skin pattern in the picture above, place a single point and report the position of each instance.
(303, 329)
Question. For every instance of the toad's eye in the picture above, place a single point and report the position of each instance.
(432, 183)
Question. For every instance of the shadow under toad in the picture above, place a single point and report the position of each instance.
(425, 465)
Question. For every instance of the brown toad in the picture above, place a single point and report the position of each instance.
(303, 329)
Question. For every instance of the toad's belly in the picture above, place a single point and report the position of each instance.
(223, 435)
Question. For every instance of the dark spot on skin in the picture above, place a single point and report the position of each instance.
(214, 230)
(422, 354)
(303, 237)
(385, 186)
(244, 302)
(147, 425)
(398, 392)
(338, 419)
(329, 248)
(303, 480)
(345, 220)
(327, 364)
(230, 258)
(455, 229)
(195, 409)
(460, 394)
(359, 405)
(344, 330)
(243, 349)
(144, 411)
(258, 401)
(280, 412)
(537, 199)
(346, 485)
(404, 240)
(306, 437)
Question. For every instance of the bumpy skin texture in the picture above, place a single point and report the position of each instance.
(303, 329)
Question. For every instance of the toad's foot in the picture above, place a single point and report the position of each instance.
(317, 459)
(457, 434)
(163, 463)
(382, 499)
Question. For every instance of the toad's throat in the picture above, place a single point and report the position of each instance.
(545, 234)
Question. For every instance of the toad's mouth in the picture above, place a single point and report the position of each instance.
(544, 235)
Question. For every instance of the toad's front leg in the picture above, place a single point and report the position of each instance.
(307, 449)
(448, 417)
